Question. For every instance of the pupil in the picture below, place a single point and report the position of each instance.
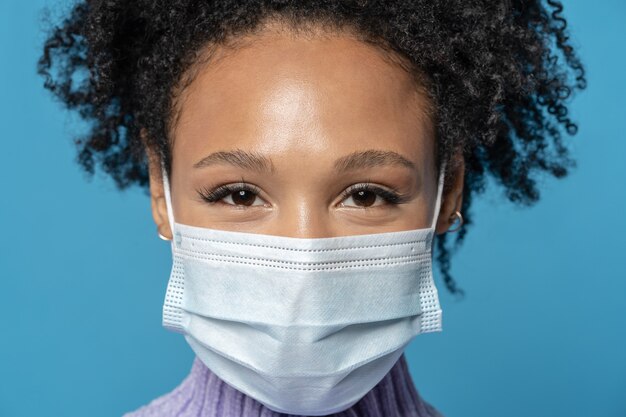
(364, 198)
(240, 197)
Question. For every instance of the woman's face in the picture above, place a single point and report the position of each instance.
(293, 128)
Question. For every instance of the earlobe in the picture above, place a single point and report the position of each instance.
(453, 197)
(159, 214)
(157, 195)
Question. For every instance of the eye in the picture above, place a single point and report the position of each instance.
(366, 195)
(241, 194)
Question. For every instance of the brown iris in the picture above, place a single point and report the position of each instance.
(364, 198)
(243, 197)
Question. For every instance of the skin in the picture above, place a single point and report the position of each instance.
(302, 104)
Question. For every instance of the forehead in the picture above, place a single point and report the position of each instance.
(277, 90)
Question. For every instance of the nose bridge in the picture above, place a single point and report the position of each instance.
(303, 217)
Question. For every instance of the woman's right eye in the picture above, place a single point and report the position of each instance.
(239, 195)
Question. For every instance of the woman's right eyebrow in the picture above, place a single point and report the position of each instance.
(240, 158)
(356, 160)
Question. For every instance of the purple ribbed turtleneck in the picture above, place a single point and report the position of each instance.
(204, 394)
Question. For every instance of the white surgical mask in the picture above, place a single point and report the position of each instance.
(305, 326)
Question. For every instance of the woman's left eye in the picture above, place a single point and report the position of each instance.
(367, 195)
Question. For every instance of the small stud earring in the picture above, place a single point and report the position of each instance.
(456, 229)
(162, 237)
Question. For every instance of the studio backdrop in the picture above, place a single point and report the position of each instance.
(541, 330)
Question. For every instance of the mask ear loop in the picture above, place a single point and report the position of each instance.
(442, 171)
(168, 200)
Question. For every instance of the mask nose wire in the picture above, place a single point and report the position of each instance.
(168, 200)
(442, 171)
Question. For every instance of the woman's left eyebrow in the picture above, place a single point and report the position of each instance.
(371, 158)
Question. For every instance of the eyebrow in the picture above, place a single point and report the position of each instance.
(356, 160)
(240, 158)
(371, 158)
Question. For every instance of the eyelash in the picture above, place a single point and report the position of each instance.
(390, 197)
(215, 195)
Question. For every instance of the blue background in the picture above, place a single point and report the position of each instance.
(542, 331)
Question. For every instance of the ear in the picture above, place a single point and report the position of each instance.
(157, 195)
(452, 200)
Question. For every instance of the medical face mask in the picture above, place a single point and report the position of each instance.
(306, 326)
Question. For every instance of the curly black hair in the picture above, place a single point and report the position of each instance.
(498, 73)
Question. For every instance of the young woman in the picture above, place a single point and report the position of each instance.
(302, 157)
